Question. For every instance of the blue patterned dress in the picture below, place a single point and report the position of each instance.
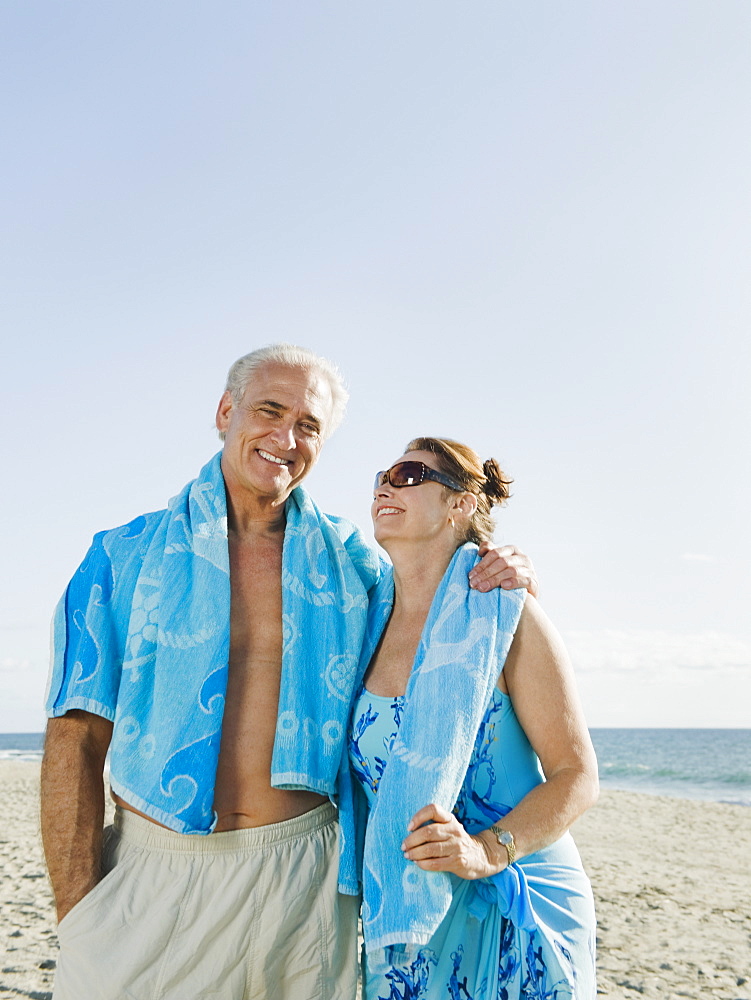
(476, 952)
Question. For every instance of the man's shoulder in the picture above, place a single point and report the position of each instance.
(344, 527)
(140, 525)
(350, 535)
(130, 537)
(113, 561)
(362, 553)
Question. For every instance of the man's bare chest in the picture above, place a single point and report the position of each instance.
(255, 602)
(243, 793)
(255, 661)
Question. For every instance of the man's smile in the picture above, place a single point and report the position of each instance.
(272, 458)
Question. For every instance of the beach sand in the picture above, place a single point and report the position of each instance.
(672, 881)
(672, 884)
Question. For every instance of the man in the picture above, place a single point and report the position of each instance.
(212, 648)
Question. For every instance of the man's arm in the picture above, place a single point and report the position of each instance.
(504, 567)
(73, 804)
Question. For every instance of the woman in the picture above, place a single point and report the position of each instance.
(472, 887)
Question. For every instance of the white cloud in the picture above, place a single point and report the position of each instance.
(651, 652)
(12, 664)
(698, 557)
(661, 678)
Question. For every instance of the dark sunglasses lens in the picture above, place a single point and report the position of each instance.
(406, 474)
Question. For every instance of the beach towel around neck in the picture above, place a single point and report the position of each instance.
(464, 644)
(141, 637)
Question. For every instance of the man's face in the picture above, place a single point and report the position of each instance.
(273, 436)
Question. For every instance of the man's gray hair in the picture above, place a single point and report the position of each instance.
(293, 357)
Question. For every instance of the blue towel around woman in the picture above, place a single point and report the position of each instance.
(454, 739)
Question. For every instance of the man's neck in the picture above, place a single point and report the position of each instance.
(249, 516)
(253, 515)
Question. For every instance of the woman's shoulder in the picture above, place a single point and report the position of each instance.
(535, 625)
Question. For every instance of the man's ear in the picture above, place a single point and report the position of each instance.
(223, 411)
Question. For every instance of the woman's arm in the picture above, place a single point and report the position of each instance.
(540, 681)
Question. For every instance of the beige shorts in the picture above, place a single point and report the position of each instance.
(244, 915)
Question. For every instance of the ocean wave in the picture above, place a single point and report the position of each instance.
(740, 778)
(22, 755)
(611, 768)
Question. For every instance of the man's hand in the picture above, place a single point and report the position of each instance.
(443, 845)
(505, 567)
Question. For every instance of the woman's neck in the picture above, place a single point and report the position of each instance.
(417, 572)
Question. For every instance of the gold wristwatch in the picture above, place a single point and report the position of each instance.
(506, 838)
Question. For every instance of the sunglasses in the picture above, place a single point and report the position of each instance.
(412, 474)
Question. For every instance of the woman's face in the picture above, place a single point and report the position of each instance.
(415, 513)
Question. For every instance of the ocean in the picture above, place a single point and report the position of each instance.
(712, 764)
(21, 746)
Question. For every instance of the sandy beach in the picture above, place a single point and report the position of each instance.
(672, 881)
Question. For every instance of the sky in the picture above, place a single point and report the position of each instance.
(524, 226)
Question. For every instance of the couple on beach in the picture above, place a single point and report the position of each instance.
(294, 724)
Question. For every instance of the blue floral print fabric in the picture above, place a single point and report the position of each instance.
(528, 936)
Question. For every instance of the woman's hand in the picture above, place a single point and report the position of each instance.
(443, 845)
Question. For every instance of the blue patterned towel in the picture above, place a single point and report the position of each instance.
(464, 644)
(141, 637)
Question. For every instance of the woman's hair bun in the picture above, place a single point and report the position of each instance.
(496, 485)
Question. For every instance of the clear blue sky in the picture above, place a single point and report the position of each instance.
(525, 226)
